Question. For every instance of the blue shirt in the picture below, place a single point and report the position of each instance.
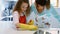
(45, 11)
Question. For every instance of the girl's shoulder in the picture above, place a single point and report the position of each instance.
(15, 12)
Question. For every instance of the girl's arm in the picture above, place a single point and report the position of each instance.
(15, 17)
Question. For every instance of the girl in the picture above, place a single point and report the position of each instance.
(21, 11)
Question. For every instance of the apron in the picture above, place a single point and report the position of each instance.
(22, 19)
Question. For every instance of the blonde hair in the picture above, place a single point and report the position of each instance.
(18, 7)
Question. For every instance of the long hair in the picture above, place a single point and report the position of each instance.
(48, 4)
(18, 6)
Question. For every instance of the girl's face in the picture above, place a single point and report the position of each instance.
(24, 6)
(40, 8)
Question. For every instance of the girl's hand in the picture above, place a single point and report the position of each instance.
(26, 26)
(17, 25)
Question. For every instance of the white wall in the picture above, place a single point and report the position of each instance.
(54, 3)
(59, 3)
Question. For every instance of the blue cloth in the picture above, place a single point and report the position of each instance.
(51, 10)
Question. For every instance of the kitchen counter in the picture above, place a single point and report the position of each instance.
(6, 27)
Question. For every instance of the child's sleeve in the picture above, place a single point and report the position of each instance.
(15, 17)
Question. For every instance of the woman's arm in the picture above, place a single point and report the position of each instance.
(55, 14)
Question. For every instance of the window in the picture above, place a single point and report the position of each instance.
(55, 3)
(7, 12)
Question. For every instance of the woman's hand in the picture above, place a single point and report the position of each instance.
(31, 22)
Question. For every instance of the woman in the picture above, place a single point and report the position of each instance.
(42, 7)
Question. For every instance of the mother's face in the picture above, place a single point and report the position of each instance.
(40, 8)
